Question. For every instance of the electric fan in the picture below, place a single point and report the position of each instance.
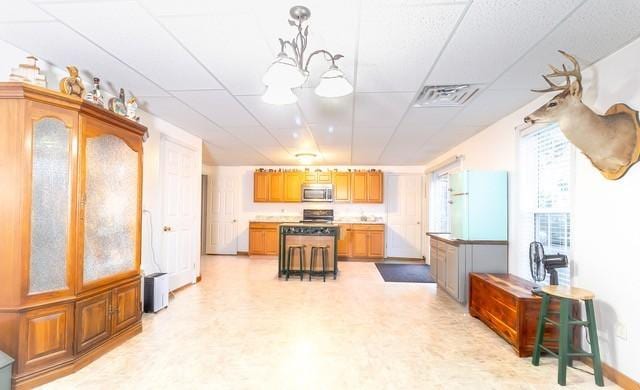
(540, 264)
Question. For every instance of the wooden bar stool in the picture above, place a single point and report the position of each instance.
(566, 352)
(291, 249)
(324, 251)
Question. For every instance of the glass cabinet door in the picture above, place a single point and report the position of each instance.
(110, 207)
(50, 202)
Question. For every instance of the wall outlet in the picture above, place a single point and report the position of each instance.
(621, 331)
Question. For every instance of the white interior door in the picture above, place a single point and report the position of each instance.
(404, 215)
(180, 199)
(222, 235)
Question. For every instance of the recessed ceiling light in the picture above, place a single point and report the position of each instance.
(295, 134)
(306, 158)
(330, 129)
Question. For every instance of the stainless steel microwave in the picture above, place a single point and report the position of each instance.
(317, 193)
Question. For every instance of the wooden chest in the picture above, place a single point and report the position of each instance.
(504, 303)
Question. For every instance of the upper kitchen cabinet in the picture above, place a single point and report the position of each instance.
(479, 205)
(317, 177)
(261, 186)
(367, 187)
(341, 186)
(293, 186)
(276, 187)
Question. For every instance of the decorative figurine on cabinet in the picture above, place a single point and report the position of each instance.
(29, 73)
(72, 85)
(117, 105)
(132, 109)
(95, 95)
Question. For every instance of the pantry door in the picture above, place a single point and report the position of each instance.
(404, 215)
(180, 213)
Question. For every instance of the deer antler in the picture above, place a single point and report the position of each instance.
(555, 72)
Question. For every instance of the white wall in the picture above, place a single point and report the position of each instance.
(248, 210)
(11, 56)
(605, 237)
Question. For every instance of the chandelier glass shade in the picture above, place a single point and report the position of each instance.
(284, 72)
(291, 71)
(279, 95)
(333, 84)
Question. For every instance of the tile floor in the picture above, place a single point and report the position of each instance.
(242, 328)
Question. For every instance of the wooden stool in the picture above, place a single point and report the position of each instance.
(324, 251)
(290, 253)
(566, 352)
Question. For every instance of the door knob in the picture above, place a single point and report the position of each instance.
(167, 228)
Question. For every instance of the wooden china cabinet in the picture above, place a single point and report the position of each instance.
(70, 211)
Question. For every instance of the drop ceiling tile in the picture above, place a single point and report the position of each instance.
(330, 135)
(219, 106)
(324, 111)
(381, 109)
(218, 155)
(179, 114)
(193, 7)
(295, 140)
(255, 136)
(230, 46)
(335, 154)
(270, 115)
(493, 35)
(70, 48)
(368, 143)
(592, 32)
(157, 55)
(493, 105)
(22, 11)
(429, 117)
(399, 44)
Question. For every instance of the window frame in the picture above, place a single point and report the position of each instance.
(523, 241)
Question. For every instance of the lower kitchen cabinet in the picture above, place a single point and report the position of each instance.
(263, 238)
(344, 246)
(366, 241)
(452, 260)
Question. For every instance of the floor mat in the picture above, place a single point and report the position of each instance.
(405, 273)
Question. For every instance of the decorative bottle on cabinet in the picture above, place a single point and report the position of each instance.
(479, 205)
(70, 253)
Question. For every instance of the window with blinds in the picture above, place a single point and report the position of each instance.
(545, 194)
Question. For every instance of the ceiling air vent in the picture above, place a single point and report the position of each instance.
(446, 95)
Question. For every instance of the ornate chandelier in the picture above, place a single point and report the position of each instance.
(292, 71)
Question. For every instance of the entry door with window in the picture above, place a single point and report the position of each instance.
(180, 200)
(222, 235)
(404, 216)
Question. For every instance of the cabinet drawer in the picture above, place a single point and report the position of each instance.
(367, 227)
(264, 225)
(48, 336)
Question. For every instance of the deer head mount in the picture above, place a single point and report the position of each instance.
(611, 141)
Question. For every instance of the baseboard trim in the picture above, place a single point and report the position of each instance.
(614, 375)
(242, 253)
(199, 279)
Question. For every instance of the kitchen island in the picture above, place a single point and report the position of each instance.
(309, 234)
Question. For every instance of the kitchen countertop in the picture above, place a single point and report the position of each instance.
(449, 238)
